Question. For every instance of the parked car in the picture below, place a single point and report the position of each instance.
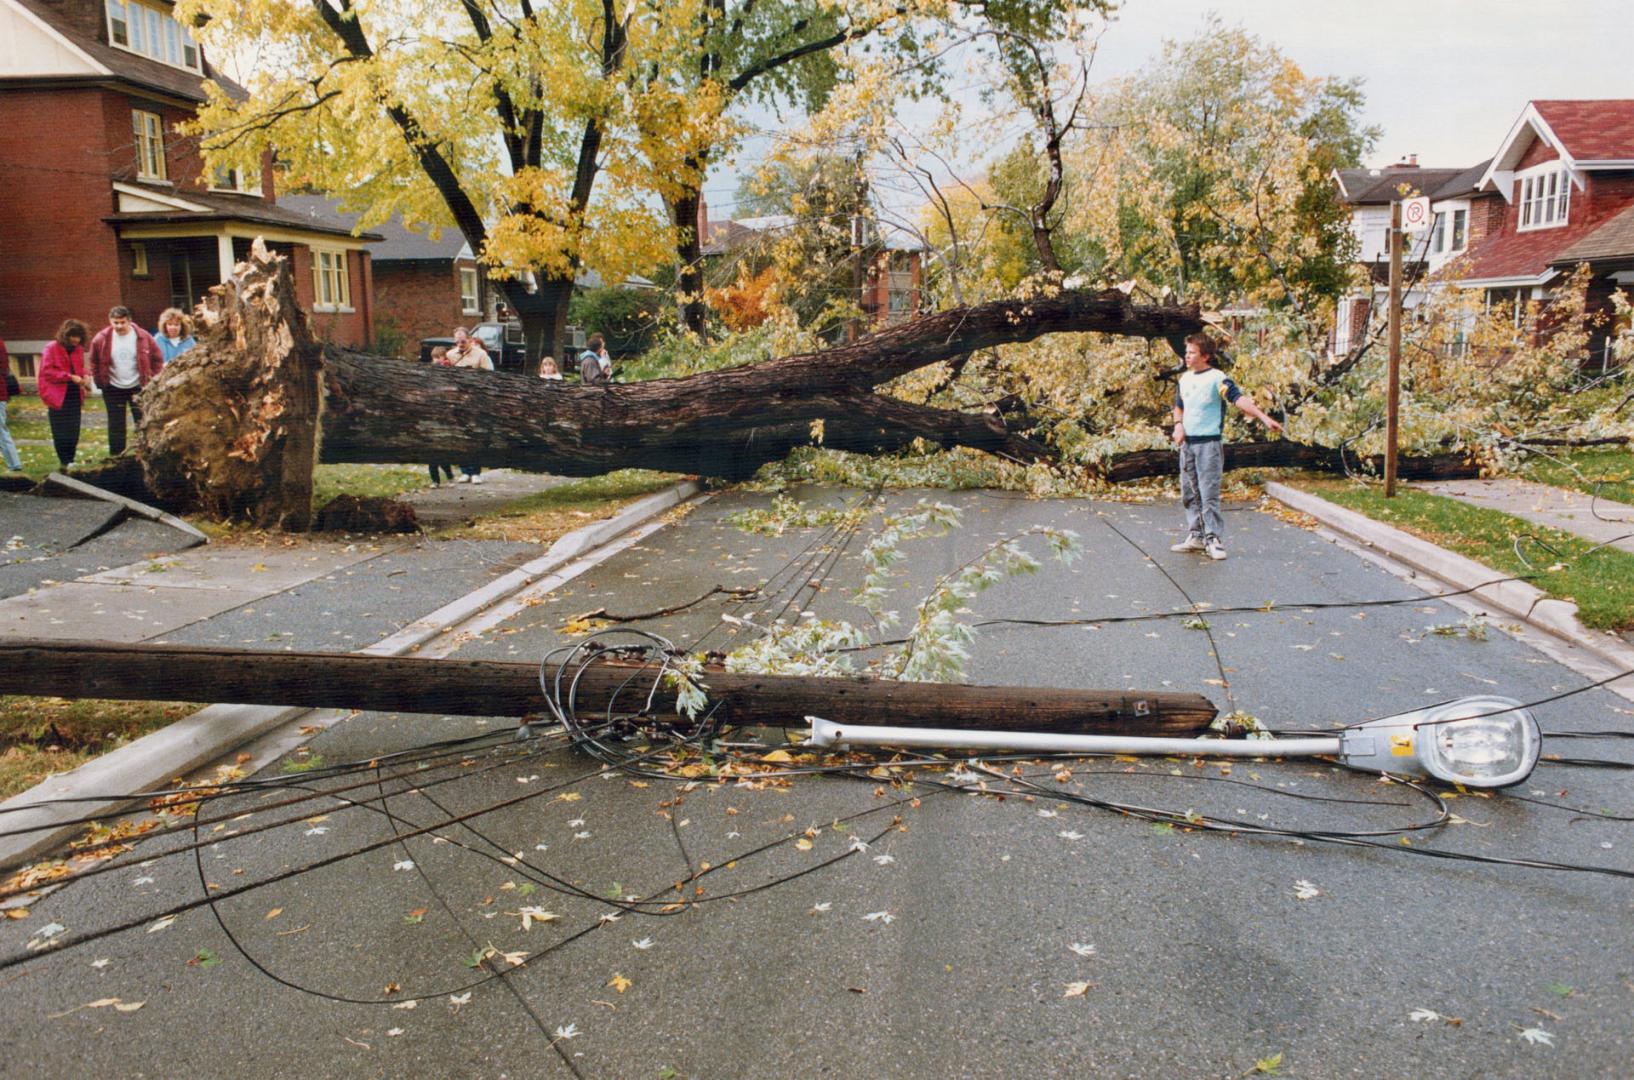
(509, 356)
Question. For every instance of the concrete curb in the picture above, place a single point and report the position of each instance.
(1516, 598)
(217, 730)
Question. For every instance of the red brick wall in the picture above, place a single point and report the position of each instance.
(1606, 194)
(420, 300)
(59, 258)
(349, 328)
(1486, 217)
(1536, 154)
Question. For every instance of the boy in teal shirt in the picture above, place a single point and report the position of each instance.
(1200, 399)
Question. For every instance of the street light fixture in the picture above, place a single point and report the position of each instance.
(1484, 742)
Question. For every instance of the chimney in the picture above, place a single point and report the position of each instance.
(1408, 162)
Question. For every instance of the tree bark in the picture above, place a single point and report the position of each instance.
(234, 426)
(1287, 454)
(496, 688)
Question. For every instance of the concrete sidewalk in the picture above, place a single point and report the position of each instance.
(1598, 520)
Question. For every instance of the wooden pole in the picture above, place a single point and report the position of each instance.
(76, 669)
(1393, 389)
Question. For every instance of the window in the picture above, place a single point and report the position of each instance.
(1450, 232)
(151, 32)
(139, 261)
(148, 130)
(469, 301)
(1460, 229)
(245, 181)
(1545, 197)
(331, 288)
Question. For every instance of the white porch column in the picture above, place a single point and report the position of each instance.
(224, 255)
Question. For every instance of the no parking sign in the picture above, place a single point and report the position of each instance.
(1415, 214)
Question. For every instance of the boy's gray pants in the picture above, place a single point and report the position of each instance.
(1200, 466)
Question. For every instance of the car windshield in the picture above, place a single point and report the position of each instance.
(489, 336)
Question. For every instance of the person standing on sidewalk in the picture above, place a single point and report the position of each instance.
(62, 383)
(1200, 398)
(123, 358)
(439, 357)
(8, 448)
(469, 352)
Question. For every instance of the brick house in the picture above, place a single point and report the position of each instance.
(1368, 193)
(106, 203)
(1558, 193)
(422, 287)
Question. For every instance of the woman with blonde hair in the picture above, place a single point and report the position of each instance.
(175, 333)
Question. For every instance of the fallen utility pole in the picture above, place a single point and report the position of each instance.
(78, 669)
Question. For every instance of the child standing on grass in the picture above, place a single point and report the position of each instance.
(1200, 399)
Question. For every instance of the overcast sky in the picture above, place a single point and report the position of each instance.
(1444, 78)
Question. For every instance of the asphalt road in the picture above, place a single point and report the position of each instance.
(974, 936)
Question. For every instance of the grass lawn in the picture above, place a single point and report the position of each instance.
(1601, 582)
(543, 517)
(1581, 470)
(365, 480)
(40, 736)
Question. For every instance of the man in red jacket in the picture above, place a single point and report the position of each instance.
(123, 358)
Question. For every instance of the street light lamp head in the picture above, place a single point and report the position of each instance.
(1484, 741)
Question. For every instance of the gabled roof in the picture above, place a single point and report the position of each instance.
(1374, 187)
(81, 24)
(397, 241)
(1593, 130)
(1589, 134)
(1611, 239)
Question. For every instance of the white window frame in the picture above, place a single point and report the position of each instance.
(242, 181)
(470, 302)
(146, 31)
(1445, 229)
(331, 280)
(148, 133)
(1543, 197)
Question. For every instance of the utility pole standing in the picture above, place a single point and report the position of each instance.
(1393, 379)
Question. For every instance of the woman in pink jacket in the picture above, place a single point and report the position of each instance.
(62, 384)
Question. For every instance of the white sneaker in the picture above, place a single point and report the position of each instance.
(462, 479)
(1190, 543)
(478, 480)
(1215, 549)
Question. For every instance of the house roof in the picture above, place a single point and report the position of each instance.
(219, 206)
(68, 18)
(1611, 239)
(1528, 255)
(1371, 187)
(1591, 130)
(398, 243)
(1467, 182)
(728, 234)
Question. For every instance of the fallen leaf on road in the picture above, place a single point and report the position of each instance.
(1304, 890)
(1082, 950)
(1537, 1036)
(619, 983)
(1423, 1016)
(274, 913)
(1077, 989)
(880, 916)
(163, 924)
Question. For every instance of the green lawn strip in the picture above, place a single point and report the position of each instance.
(40, 736)
(1600, 582)
(1606, 471)
(548, 514)
(366, 480)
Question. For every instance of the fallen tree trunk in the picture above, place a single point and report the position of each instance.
(234, 426)
(118, 671)
(1286, 454)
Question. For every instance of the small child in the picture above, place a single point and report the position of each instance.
(1199, 415)
(439, 356)
(548, 370)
